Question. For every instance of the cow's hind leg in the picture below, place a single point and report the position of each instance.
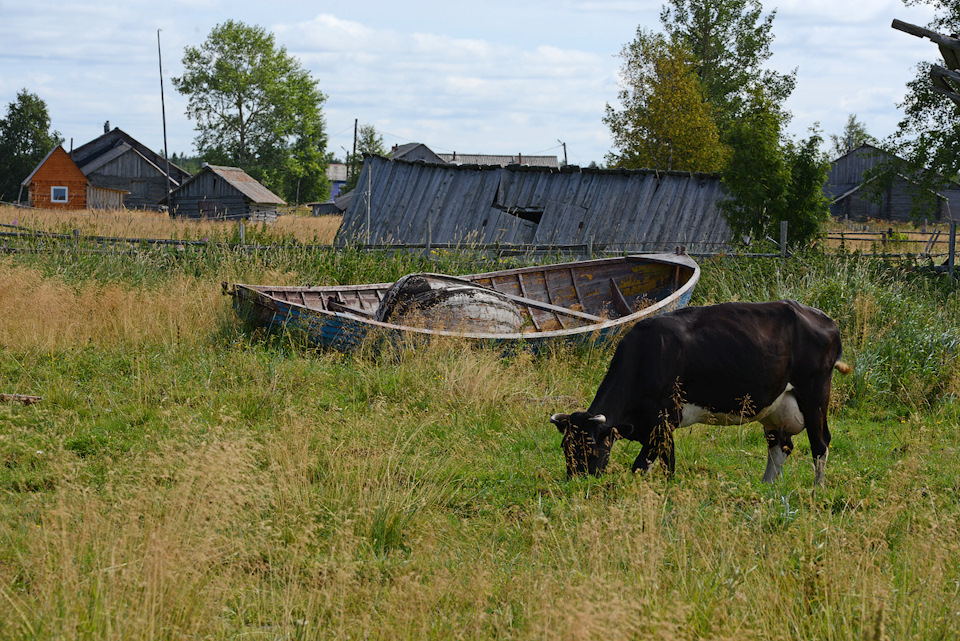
(813, 403)
(779, 446)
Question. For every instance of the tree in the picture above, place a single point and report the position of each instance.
(25, 138)
(730, 41)
(807, 208)
(256, 108)
(666, 122)
(769, 180)
(854, 135)
(369, 143)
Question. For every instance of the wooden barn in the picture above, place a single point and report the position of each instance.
(625, 210)
(224, 193)
(846, 190)
(117, 161)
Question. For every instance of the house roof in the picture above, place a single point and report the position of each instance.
(414, 151)
(500, 161)
(97, 161)
(26, 181)
(92, 155)
(241, 181)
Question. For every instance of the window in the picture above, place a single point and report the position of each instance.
(58, 194)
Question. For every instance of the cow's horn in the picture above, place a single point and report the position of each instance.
(599, 418)
(557, 418)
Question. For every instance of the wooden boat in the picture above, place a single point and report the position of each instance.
(575, 301)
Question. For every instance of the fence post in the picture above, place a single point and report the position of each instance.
(243, 234)
(428, 240)
(951, 258)
(783, 241)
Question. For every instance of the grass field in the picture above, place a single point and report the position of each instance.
(187, 477)
(297, 225)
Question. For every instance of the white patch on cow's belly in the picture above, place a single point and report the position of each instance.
(783, 413)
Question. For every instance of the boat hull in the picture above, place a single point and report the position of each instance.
(584, 301)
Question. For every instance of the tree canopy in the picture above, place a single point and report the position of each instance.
(25, 138)
(770, 179)
(698, 97)
(730, 43)
(257, 108)
(665, 121)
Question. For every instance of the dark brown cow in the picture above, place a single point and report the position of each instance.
(724, 364)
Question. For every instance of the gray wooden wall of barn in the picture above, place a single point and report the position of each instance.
(414, 203)
(209, 195)
(132, 173)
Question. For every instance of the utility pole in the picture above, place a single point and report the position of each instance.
(163, 112)
(564, 150)
(354, 140)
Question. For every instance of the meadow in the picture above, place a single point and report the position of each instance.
(187, 476)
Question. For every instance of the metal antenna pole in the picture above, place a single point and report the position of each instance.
(163, 111)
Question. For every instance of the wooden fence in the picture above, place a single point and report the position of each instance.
(937, 245)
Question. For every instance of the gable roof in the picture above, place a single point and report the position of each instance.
(239, 180)
(114, 143)
(413, 151)
(860, 159)
(26, 181)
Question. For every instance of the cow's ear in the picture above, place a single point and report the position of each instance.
(560, 420)
(624, 430)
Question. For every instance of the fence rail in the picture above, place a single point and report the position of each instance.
(934, 245)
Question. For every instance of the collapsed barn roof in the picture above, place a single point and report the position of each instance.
(629, 210)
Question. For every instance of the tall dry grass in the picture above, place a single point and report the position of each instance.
(48, 314)
(139, 223)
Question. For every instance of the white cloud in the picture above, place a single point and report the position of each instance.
(497, 77)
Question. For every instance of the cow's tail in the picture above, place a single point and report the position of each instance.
(842, 367)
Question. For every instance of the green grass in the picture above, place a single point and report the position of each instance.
(207, 481)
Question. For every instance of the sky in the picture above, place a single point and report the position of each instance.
(496, 77)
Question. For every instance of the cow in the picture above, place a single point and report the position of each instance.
(723, 364)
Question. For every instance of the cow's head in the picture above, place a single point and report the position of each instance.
(587, 441)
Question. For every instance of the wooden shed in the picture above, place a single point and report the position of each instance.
(628, 210)
(846, 189)
(116, 161)
(56, 183)
(224, 193)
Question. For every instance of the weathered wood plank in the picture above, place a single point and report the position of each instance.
(921, 32)
(20, 398)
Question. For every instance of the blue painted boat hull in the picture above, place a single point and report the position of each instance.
(583, 301)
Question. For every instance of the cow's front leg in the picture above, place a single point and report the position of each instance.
(643, 460)
(658, 447)
(779, 446)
